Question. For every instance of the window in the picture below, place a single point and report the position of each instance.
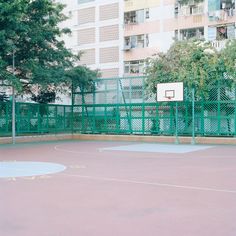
(176, 35)
(221, 9)
(136, 41)
(186, 34)
(133, 92)
(134, 67)
(147, 13)
(225, 32)
(227, 4)
(221, 32)
(190, 9)
(84, 1)
(127, 42)
(134, 17)
(147, 40)
(140, 41)
(176, 11)
(227, 7)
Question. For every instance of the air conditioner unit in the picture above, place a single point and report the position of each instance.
(127, 47)
(211, 14)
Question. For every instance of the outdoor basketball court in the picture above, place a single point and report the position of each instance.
(96, 188)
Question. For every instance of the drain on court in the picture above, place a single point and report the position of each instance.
(162, 148)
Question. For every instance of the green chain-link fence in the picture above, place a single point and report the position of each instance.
(122, 106)
(35, 118)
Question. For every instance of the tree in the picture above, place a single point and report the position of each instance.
(195, 63)
(29, 32)
(199, 66)
(228, 87)
(82, 77)
(228, 55)
(44, 97)
(4, 97)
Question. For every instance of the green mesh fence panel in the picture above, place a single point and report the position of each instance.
(136, 111)
(113, 91)
(123, 106)
(5, 118)
(34, 118)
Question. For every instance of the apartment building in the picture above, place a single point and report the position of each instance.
(212, 20)
(97, 32)
(147, 30)
(152, 25)
(116, 36)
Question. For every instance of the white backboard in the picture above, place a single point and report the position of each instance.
(170, 92)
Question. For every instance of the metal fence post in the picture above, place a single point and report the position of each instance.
(13, 103)
(193, 116)
(176, 124)
(13, 116)
(234, 111)
(143, 118)
(72, 108)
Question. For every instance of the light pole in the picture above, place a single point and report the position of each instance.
(13, 102)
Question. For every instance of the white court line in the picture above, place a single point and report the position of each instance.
(100, 150)
(56, 148)
(151, 183)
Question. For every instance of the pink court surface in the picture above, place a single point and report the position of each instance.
(117, 189)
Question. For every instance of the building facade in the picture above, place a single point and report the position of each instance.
(97, 32)
(116, 36)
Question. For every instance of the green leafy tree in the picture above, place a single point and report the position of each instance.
(82, 78)
(4, 97)
(44, 97)
(29, 32)
(195, 63)
(199, 66)
(228, 55)
(228, 85)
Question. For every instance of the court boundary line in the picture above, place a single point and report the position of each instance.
(101, 150)
(150, 183)
(180, 155)
(119, 148)
(58, 149)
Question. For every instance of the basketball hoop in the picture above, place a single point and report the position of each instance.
(170, 92)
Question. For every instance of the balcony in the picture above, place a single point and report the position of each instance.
(189, 9)
(221, 15)
(218, 44)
